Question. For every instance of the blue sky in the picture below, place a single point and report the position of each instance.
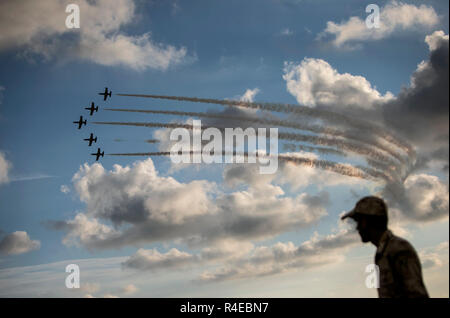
(224, 49)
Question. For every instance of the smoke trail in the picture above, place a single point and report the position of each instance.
(141, 154)
(150, 125)
(289, 108)
(322, 150)
(150, 141)
(343, 169)
(288, 124)
(340, 143)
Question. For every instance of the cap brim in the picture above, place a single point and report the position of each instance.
(350, 214)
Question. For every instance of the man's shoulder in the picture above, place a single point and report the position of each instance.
(399, 246)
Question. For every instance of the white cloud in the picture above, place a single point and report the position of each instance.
(154, 260)
(87, 231)
(422, 198)
(38, 28)
(427, 197)
(286, 32)
(434, 40)
(239, 260)
(314, 82)
(35, 176)
(64, 189)
(288, 173)
(434, 256)
(249, 95)
(18, 243)
(145, 207)
(5, 167)
(108, 194)
(334, 279)
(284, 257)
(394, 17)
(419, 114)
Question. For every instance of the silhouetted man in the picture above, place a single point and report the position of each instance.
(398, 263)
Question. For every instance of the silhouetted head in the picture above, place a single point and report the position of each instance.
(371, 216)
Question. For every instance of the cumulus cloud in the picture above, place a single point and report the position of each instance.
(138, 193)
(18, 243)
(239, 260)
(434, 256)
(249, 95)
(314, 82)
(38, 28)
(419, 114)
(283, 257)
(436, 40)
(5, 167)
(146, 207)
(394, 17)
(153, 260)
(420, 111)
(288, 173)
(64, 189)
(421, 198)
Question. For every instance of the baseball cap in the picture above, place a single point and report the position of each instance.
(370, 205)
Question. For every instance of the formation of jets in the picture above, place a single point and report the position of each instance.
(93, 109)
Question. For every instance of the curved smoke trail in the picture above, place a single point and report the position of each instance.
(282, 123)
(289, 108)
(343, 144)
(343, 169)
